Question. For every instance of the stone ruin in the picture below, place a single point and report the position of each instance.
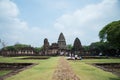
(60, 47)
(77, 47)
(56, 48)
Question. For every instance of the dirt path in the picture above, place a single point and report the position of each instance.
(64, 71)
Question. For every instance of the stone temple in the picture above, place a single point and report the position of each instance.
(46, 46)
(77, 47)
(58, 48)
(61, 42)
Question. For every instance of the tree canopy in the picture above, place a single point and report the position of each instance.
(69, 46)
(111, 34)
(16, 47)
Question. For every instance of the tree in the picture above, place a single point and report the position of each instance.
(101, 46)
(38, 49)
(111, 34)
(20, 46)
(11, 48)
(16, 47)
(86, 48)
(2, 43)
(69, 46)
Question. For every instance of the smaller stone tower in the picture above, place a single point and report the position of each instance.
(77, 47)
(45, 46)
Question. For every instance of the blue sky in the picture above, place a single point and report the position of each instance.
(30, 21)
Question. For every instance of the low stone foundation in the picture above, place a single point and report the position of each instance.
(14, 67)
(111, 67)
(37, 57)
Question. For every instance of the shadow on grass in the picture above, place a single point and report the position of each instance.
(114, 79)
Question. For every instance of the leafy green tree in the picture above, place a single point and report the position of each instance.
(38, 49)
(103, 47)
(16, 47)
(111, 34)
(10, 48)
(69, 46)
(95, 48)
(86, 48)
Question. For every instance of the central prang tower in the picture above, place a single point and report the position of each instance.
(61, 42)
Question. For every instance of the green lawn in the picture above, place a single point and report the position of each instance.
(86, 71)
(42, 71)
(45, 68)
(3, 72)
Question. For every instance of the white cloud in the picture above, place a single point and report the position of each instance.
(85, 23)
(8, 9)
(13, 29)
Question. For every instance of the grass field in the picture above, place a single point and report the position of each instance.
(45, 69)
(85, 71)
(3, 72)
(42, 71)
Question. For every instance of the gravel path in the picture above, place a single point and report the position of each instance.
(64, 71)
